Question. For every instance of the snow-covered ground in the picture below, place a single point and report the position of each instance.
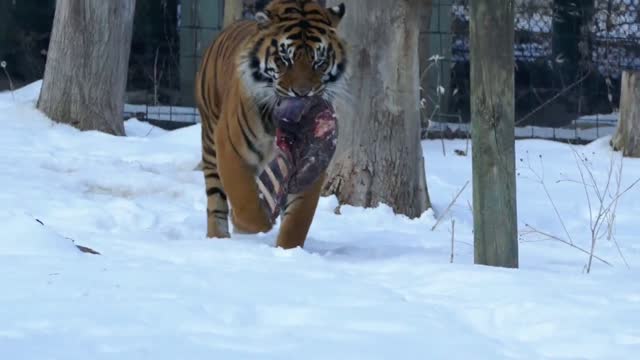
(368, 285)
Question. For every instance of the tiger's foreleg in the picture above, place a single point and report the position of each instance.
(298, 215)
(217, 208)
(248, 214)
(312, 150)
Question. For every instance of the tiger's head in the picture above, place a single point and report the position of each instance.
(296, 52)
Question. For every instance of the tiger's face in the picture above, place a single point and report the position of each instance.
(297, 52)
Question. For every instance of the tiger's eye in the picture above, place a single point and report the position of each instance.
(321, 65)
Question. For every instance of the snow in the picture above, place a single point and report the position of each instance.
(368, 285)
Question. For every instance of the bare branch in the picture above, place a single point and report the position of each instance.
(553, 237)
(554, 98)
(453, 236)
(449, 207)
(540, 179)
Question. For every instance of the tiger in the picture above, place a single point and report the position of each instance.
(289, 49)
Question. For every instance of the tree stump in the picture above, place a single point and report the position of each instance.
(379, 157)
(627, 135)
(86, 73)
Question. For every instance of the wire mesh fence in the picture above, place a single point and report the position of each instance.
(569, 58)
(197, 24)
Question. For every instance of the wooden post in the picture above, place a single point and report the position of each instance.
(627, 136)
(492, 111)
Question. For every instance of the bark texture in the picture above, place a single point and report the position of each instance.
(86, 72)
(493, 112)
(379, 157)
(627, 136)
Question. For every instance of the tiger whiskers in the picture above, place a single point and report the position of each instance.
(338, 92)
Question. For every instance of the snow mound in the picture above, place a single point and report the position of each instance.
(25, 235)
(136, 128)
(25, 95)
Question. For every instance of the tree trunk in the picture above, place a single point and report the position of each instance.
(379, 157)
(493, 112)
(232, 11)
(86, 72)
(627, 136)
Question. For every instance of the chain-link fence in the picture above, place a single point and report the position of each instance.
(569, 57)
(197, 24)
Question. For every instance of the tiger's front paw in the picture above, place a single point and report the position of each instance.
(217, 229)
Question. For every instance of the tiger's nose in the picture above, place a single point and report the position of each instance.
(302, 90)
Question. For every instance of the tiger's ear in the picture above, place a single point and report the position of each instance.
(263, 18)
(336, 13)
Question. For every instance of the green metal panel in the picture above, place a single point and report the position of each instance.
(5, 26)
(200, 24)
(440, 44)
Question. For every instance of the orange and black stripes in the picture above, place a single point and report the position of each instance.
(290, 49)
(304, 35)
